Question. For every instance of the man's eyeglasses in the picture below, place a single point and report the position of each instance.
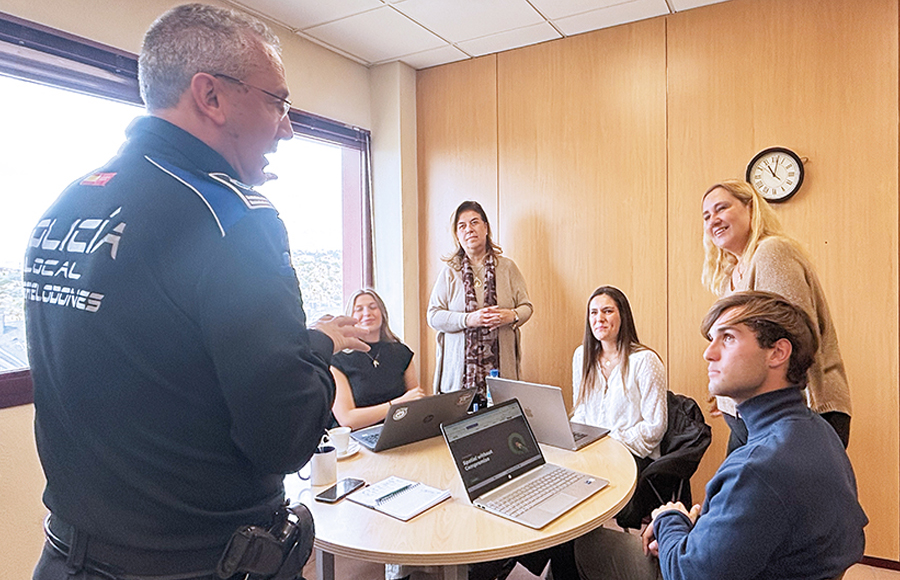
(285, 104)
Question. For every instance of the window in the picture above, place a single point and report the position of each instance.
(67, 103)
(310, 197)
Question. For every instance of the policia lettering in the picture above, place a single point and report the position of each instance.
(83, 236)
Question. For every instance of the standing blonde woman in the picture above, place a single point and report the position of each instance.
(477, 306)
(747, 249)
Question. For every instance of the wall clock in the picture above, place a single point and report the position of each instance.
(776, 173)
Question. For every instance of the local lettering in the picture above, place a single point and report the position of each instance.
(53, 268)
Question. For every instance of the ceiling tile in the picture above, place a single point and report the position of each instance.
(376, 36)
(458, 20)
(434, 57)
(510, 39)
(682, 5)
(301, 14)
(554, 9)
(612, 16)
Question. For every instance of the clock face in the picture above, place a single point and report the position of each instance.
(776, 173)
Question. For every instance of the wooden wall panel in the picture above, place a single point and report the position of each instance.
(591, 154)
(820, 78)
(21, 484)
(456, 115)
(582, 184)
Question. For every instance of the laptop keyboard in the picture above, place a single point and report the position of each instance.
(369, 439)
(579, 435)
(534, 492)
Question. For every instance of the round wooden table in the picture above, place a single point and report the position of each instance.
(454, 533)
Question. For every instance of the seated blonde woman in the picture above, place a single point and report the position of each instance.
(369, 382)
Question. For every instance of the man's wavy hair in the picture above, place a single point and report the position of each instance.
(771, 318)
(196, 38)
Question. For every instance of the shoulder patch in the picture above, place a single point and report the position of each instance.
(227, 199)
(251, 198)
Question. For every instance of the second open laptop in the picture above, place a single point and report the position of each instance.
(415, 420)
(546, 412)
(504, 471)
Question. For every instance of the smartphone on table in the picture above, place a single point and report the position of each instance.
(340, 489)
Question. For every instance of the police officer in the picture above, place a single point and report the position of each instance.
(175, 379)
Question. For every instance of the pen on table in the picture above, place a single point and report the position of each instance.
(389, 495)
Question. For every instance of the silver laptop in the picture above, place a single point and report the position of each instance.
(504, 471)
(546, 412)
(415, 420)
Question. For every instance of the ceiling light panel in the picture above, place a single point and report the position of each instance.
(434, 57)
(553, 9)
(510, 39)
(459, 20)
(681, 5)
(300, 14)
(612, 16)
(375, 36)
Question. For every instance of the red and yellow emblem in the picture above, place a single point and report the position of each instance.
(97, 179)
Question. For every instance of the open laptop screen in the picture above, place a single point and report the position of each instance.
(492, 447)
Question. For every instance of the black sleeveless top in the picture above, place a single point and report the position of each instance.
(371, 383)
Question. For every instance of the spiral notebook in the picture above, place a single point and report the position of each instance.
(398, 497)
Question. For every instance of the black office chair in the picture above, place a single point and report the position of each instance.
(669, 477)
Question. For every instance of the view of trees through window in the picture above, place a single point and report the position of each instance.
(53, 136)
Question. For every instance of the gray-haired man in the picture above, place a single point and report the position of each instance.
(175, 380)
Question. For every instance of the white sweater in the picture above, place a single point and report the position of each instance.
(636, 415)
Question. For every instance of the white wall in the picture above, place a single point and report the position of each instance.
(396, 207)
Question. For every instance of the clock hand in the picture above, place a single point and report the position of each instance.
(772, 171)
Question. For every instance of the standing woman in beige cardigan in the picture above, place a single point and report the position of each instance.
(747, 249)
(477, 306)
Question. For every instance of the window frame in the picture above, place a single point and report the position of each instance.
(33, 52)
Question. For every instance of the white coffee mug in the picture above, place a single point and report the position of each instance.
(340, 438)
(323, 466)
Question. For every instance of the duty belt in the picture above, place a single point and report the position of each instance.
(124, 562)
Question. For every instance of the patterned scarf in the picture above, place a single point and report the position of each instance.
(482, 344)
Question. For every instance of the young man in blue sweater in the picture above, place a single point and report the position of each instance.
(783, 506)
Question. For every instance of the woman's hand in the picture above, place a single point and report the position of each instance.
(491, 317)
(410, 395)
(478, 318)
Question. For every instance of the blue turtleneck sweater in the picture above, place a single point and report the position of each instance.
(782, 506)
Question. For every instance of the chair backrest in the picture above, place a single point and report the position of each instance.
(682, 447)
(686, 440)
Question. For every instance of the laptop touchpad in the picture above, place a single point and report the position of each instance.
(558, 503)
